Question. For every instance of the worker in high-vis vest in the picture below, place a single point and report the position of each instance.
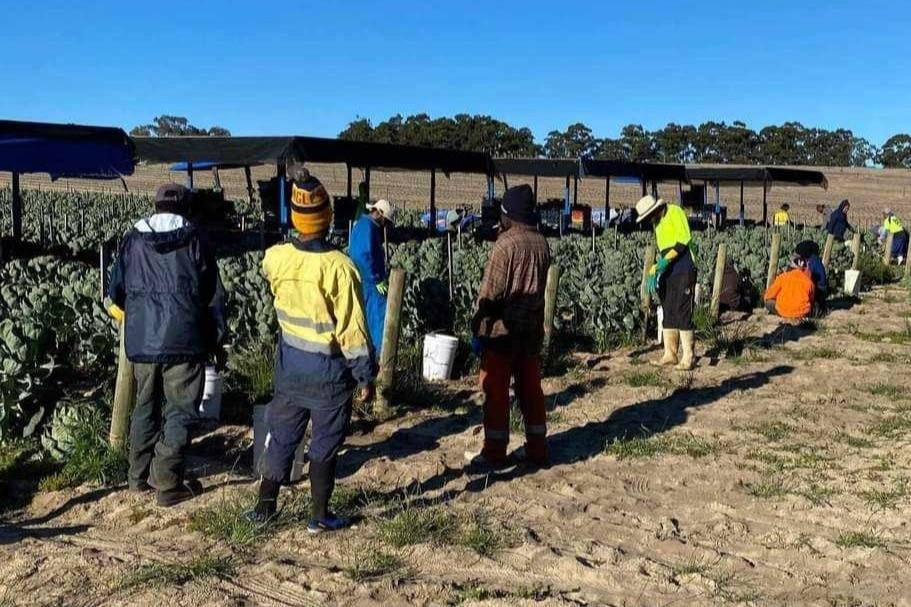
(893, 225)
(323, 353)
(782, 216)
(672, 279)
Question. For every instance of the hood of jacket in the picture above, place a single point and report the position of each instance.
(165, 232)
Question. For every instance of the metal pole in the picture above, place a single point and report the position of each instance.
(367, 182)
(249, 177)
(575, 190)
(433, 201)
(606, 219)
(449, 267)
(536, 189)
(189, 175)
(765, 206)
(282, 200)
(348, 167)
(742, 207)
(565, 205)
(16, 209)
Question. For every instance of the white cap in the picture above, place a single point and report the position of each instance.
(386, 209)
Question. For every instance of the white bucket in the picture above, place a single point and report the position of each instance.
(852, 282)
(439, 355)
(210, 407)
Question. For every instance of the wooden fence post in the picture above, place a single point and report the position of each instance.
(719, 279)
(907, 263)
(855, 248)
(124, 397)
(550, 305)
(887, 254)
(386, 377)
(647, 263)
(773, 259)
(827, 250)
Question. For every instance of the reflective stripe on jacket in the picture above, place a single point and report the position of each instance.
(324, 348)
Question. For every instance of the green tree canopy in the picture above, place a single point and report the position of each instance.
(176, 126)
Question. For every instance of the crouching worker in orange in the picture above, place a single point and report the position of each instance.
(508, 330)
(324, 352)
(791, 295)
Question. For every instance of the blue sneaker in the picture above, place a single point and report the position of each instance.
(330, 523)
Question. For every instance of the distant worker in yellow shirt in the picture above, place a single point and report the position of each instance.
(782, 216)
(672, 279)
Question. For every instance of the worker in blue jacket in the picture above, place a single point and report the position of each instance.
(367, 250)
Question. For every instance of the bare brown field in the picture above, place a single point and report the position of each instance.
(870, 190)
(759, 481)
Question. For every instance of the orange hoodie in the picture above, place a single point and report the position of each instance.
(793, 293)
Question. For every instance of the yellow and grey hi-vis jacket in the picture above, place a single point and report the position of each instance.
(324, 348)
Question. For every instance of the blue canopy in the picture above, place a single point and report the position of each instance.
(65, 150)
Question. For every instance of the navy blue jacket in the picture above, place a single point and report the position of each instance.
(166, 282)
(838, 223)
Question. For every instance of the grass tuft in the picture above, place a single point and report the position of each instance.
(771, 431)
(891, 391)
(853, 539)
(177, 574)
(645, 379)
(365, 562)
(658, 445)
(92, 460)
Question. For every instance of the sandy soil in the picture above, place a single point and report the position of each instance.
(781, 479)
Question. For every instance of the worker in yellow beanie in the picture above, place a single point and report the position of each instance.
(323, 353)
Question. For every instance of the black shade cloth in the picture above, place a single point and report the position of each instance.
(360, 154)
(758, 174)
(540, 167)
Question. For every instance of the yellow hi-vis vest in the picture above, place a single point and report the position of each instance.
(317, 300)
(893, 224)
(780, 218)
(673, 229)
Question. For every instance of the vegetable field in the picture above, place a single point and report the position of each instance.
(775, 474)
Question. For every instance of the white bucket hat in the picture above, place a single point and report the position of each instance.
(646, 206)
(386, 209)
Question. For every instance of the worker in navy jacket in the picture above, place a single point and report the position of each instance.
(166, 290)
(367, 251)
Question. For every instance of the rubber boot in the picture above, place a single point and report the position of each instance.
(671, 339)
(688, 351)
(322, 483)
(267, 504)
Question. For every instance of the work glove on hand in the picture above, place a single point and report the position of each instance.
(383, 287)
(116, 312)
(477, 346)
(661, 266)
(652, 284)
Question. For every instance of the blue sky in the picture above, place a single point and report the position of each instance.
(311, 67)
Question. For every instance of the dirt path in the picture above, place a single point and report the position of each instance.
(779, 477)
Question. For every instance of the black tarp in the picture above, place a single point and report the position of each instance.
(643, 171)
(359, 154)
(538, 167)
(757, 174)
(65, 150)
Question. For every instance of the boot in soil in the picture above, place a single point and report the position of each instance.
(671, 339)
(688, 354)
(267, 504)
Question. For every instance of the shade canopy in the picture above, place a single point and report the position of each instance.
(641, 171)
(65, 150)
(244, 151)
(538, 167)
(183, 167)
(758, 174)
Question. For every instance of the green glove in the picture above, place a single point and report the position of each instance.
(652, 284)
(662, 265)
(383, 287)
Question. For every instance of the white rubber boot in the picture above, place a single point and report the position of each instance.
(688, 351)
(671, 339)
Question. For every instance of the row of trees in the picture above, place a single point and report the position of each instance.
(711, 142)
(176, 126)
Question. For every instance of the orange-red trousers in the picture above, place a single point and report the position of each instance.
(496, 371)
